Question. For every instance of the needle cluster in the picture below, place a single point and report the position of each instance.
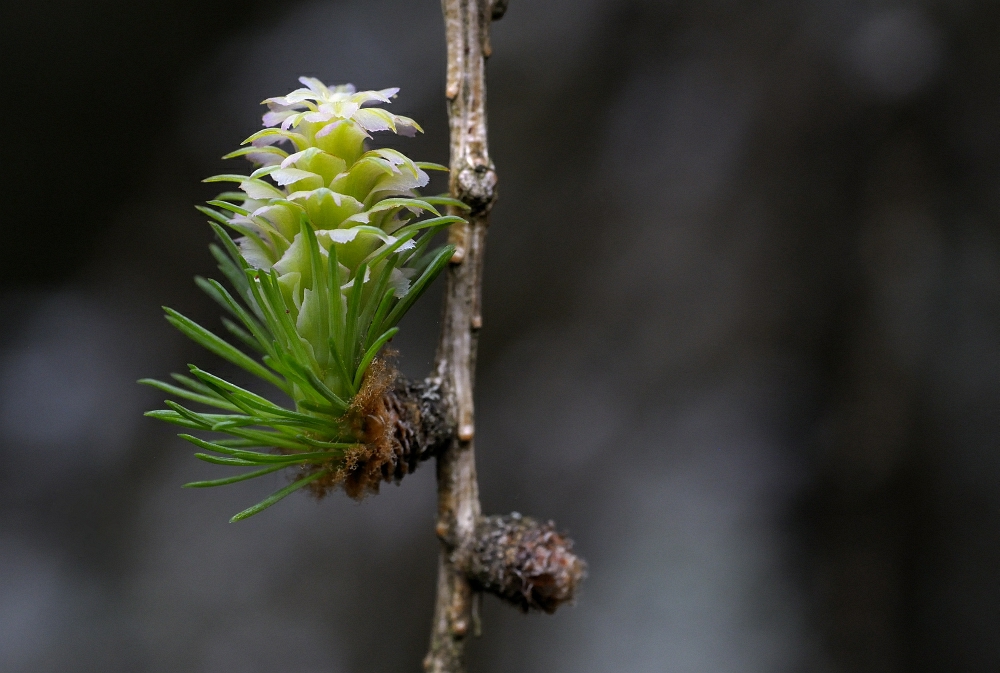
(325, 246)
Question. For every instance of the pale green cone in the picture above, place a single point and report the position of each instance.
(330, 252)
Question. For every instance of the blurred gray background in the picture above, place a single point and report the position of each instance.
(742, 316)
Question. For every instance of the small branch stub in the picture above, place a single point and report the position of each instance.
(525, 562)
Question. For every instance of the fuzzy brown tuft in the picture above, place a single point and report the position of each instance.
(397, 423)
(525, 562)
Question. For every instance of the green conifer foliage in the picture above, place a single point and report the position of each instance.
(325, 247)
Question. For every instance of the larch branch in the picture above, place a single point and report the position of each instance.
(519, 559)
(473, 180)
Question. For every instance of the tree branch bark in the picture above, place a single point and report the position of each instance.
(519, 559)
(473, 180)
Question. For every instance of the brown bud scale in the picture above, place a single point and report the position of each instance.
(399, 423)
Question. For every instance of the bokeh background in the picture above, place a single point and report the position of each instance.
(742, 316)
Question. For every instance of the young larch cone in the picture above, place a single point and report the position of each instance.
(525, 562)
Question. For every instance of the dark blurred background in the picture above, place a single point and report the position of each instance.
(742, 315)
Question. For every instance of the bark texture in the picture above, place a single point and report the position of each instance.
(528, 564)
(473, 180)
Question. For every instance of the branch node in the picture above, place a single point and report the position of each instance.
(476, 186)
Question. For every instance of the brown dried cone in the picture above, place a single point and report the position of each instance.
(525, 562)
(399, 424)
